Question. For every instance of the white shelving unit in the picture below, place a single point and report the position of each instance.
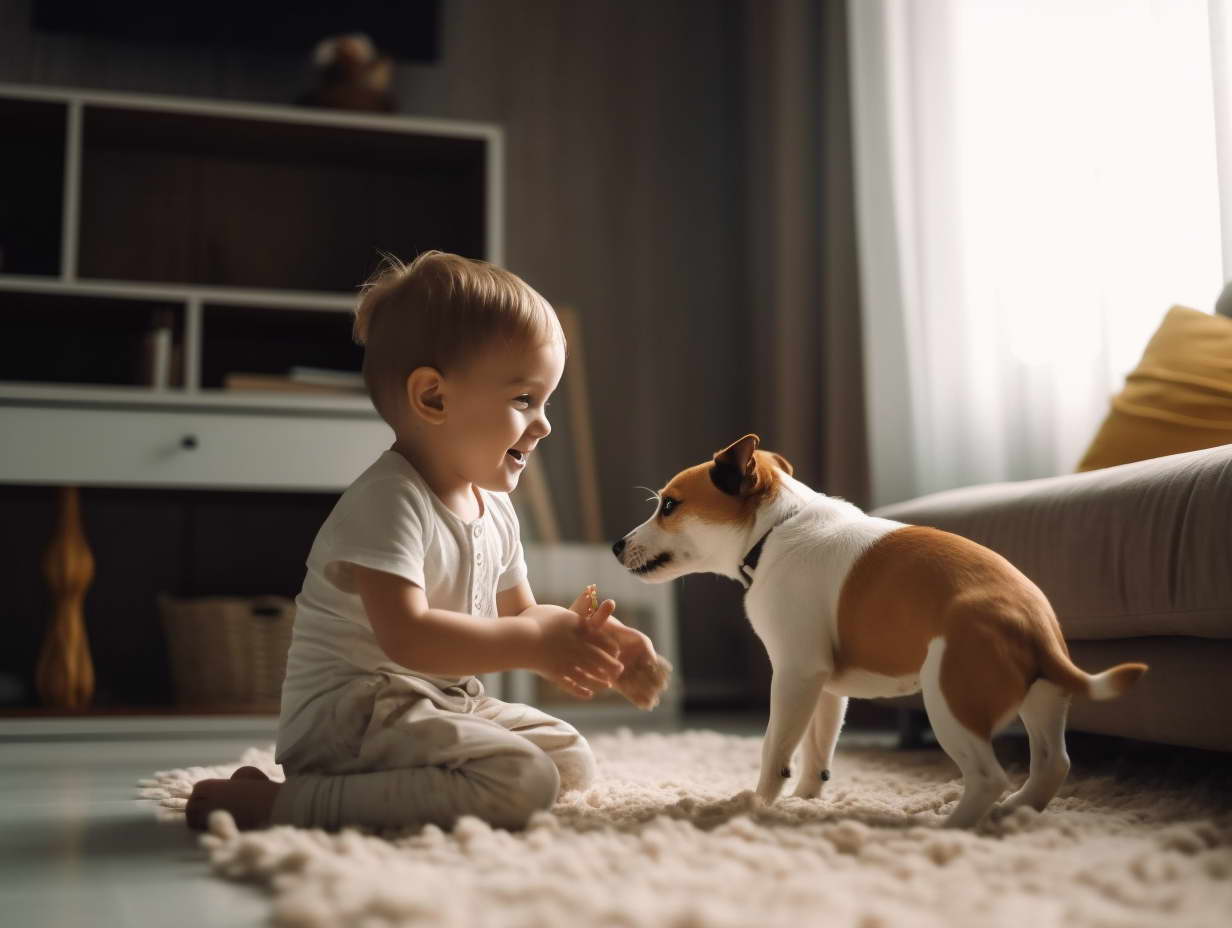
(249, 226)
(347, 431)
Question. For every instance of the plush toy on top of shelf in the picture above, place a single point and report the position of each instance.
(351, 75)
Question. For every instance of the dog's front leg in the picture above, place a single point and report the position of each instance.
(819, 744)
(793, 696)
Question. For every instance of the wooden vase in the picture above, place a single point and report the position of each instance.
(65, 673)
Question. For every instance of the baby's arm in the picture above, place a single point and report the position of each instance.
(440, 642)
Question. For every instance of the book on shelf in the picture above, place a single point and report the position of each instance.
(327, 377)
(282, 383)
(161, 358)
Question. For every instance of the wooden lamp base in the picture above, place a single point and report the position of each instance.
(65, 673)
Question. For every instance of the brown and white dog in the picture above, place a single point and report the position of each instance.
(851, 605)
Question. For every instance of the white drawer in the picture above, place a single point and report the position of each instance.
(225, 450)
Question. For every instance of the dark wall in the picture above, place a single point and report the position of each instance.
(625, 154)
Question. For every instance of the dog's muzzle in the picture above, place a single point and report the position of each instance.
(653, 564)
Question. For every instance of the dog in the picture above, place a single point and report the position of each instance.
(848, 604)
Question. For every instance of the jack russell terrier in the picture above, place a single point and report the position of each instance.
(851, 605)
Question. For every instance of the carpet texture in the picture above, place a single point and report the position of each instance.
(670, 835)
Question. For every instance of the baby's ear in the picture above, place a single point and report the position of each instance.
(425, 394)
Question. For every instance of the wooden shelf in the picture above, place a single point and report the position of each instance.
(130, 397)
(180, 293)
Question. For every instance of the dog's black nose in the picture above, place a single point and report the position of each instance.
(618, 547)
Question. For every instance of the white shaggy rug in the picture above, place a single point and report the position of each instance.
(670, 836)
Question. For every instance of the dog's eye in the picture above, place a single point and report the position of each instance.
(669, 503)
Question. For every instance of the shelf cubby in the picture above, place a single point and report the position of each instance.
(262, 340)
(224, 201)
(32, 186)
(71, 339)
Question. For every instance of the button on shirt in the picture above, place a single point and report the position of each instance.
(389, 520)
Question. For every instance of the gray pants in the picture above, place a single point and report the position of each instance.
(398, 752)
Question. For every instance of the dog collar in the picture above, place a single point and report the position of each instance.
(749, 564)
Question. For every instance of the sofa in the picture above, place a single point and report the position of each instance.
(1137, 562)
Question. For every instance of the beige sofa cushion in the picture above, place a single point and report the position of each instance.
(1139, 549)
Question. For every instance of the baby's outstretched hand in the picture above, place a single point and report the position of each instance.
(646, 674)
(575, 660)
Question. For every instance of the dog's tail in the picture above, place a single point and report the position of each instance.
(1056, 667)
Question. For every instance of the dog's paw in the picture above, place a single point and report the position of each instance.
(810, 787)
(755, 800)
(769, 793)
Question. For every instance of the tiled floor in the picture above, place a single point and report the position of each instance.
(76, 847)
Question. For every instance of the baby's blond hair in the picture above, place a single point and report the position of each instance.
(439, 311)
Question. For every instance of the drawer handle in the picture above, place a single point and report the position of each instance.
(188, 441)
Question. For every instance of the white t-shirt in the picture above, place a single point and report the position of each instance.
(389, 519)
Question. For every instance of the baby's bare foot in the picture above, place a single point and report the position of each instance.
(249, 773)
(249, 797)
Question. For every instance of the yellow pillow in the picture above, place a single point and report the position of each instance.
(1178, 398)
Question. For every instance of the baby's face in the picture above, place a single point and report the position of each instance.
(497, 412)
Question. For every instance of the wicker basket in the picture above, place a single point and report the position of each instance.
(228, 652)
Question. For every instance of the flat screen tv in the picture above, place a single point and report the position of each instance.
(406, 29)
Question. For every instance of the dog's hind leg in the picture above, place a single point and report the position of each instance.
(819, 742)
(794, 693)
(984, 780)
(1043, 713)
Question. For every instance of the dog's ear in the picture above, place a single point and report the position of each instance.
(783, 463)
(735, 469)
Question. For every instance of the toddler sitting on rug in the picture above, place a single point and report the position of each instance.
(384, 723)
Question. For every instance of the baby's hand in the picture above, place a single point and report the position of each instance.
(646, 674)
(587, 607)
(570, 656)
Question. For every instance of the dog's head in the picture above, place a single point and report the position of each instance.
(704, 515)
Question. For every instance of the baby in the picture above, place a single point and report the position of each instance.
(416, 583)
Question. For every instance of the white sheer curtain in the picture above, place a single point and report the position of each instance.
(1036, 184)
